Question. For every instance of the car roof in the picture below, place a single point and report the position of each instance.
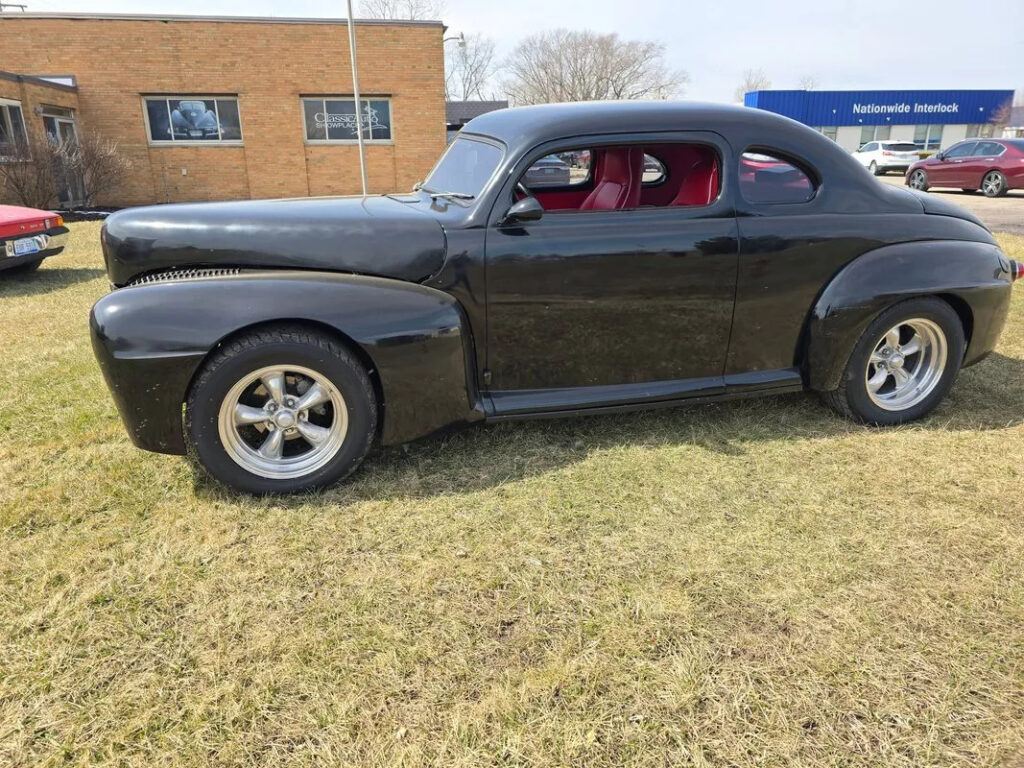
(549, 121)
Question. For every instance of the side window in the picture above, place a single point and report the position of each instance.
(563, 169)
(961, 150)
(869, 147)
(769, 179)
(654, 170)
(987, 149)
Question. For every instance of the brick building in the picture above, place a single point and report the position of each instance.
(210, 108)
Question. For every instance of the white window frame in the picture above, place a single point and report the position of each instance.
(5, 115)
(929, 129)
(172, 142)
(348, 97)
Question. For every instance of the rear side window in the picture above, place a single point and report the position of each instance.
(769, 179)
(987, 149)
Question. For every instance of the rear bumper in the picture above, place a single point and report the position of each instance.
(57, 238)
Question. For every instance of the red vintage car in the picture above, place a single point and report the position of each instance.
(29, 235)
(992, 165)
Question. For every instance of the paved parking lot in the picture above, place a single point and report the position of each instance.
(1001, 214)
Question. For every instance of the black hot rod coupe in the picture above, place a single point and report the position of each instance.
(275, 341)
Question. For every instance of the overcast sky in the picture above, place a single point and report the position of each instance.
(844, 44)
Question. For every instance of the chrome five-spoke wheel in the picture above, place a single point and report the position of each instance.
(993, 185)
(919, 180)
(906, 364)
(282, 421)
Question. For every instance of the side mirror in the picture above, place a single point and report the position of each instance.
(417, 186)
(527, 209)
(940, 156)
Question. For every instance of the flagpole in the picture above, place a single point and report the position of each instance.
(355, 93)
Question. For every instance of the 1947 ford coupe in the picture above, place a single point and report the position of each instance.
(275, 341)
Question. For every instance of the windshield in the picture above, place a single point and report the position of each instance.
(904, 147)
(464, 168)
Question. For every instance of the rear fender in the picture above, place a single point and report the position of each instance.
(151, 340)
(975, 275)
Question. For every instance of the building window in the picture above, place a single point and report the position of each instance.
(928, 137)
(828, 131)
(874, 133)
(12, 129)
(330, 120)
(980, 131)
(193, 119)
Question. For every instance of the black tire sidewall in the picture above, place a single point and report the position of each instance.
(207, 395)
(855, 385)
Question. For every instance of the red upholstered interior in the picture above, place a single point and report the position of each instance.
(692, 178)
(700, 184)
(618, 177)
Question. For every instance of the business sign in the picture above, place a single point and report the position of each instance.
(821, 108)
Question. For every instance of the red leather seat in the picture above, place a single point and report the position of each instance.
(700, 185)
(619, 178)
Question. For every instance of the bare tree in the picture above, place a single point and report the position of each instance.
(565, 65)
(469, 66)
(30, 178)
(807, 82)
(34, 175)
(401, 9)
(101, 165)
(753, 80)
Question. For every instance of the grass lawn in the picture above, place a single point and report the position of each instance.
(755, 583)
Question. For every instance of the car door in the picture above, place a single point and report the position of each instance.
(866, 153)
(949, 171)
(597, 307)
(984, 156)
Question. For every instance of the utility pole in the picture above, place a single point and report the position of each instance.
(355, 93)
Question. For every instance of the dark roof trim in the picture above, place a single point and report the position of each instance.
(228, 19)
(37, 81)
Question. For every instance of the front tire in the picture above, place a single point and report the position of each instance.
(903, 365)
(281, 410)
(993, 184)
(918, 180)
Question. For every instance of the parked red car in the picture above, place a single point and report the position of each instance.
(29, 235)
(992, 165)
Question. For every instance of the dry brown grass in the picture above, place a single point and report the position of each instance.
(754, 583)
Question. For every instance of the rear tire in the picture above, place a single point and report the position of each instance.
(874, 169)
(993, 184)
(245, 423)
(892, 382)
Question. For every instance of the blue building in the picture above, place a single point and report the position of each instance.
(931, 119)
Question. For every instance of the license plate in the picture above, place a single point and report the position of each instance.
(26, 246)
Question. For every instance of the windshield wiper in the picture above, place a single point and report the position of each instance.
(453, 195)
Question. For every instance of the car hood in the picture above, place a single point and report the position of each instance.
(378, 236)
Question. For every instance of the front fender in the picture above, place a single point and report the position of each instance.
(974, 275)
(151, 339)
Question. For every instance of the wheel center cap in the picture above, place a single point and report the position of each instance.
(896, 361)
(284, 419)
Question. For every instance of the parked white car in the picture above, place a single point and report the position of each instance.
(880, 157)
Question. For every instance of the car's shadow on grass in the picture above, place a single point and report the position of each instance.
(987, 397)
(16, 284)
